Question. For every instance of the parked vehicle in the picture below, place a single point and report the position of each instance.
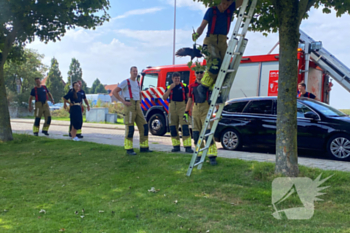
(94, 98)
(252, 121)
(256, 76)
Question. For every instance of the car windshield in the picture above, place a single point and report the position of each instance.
(149, 80)
(325, 109)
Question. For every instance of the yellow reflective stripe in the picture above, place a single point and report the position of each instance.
(175, 142)
(213, 151)
(79, 131)
(128, 144)
(207, 80)
(46, 128)
(35, 129)
(187, 142)
(199, 143)
(144, 144)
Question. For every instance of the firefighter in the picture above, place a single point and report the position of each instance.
(219, 19)
(82, 93)
(199, 113)
(304, 93)
(177, 93)
(132, 112)
(41, 95)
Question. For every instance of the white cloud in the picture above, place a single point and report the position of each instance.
(193, 5)
(138, 12)
(157, 38)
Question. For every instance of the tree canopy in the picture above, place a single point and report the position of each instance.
(54, 82)
(100, 89)
(22, 74)
(75, 73)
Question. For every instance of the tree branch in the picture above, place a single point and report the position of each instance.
(10, 38)
(304, 6)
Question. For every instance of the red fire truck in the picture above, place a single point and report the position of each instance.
(256, 76)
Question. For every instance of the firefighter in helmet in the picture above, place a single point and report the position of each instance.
(41, 95)
(199, 113)
(219, 19)
(132, 112)
(177, 93)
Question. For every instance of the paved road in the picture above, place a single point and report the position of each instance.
(114, 135)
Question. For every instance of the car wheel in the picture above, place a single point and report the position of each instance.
(338, 147)
(231, 140)
(157, 125)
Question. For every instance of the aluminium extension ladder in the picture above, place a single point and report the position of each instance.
(226, 76)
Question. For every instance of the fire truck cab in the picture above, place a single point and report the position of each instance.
(153, 82)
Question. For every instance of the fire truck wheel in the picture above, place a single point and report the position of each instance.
(157, 125)
(231, 140)
(338, 147)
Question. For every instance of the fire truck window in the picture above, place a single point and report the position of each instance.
(259, 107)
(235, 107)
(185, 77)
(149, 80)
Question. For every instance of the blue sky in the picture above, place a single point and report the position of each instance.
(141, 34)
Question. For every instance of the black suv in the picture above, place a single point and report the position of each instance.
(252, 121)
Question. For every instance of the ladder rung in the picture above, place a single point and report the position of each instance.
(230, 71)
(246, 16)
(205, 148)
(208, 134)
(239, 53)
(214, 119)
(196, 164)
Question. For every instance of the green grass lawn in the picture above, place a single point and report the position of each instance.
(62, 177)
(346, 111)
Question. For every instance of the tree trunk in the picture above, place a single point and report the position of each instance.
(5, 125)
(286, 144)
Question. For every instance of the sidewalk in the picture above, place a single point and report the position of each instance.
(66, 123)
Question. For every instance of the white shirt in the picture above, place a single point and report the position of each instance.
(135, 89)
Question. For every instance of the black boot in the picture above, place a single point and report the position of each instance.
(198, 159)
(46, 133)
(212, 160)
(201, 93)
(188, 150)
(70, 135)
(80, 136)
(143, 150)
(36, 134)
(219, 100)
(176, 149)
(130, 152)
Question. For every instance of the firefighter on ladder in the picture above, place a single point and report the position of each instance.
(132, 112)
(177, 93)
(41, 95)
(215, 43)
(199, 113)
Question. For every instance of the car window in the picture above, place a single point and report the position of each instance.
(235, 107)
(325, 109)
(259, 107)
(149, 80)
(184, 75)
(302, 109)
